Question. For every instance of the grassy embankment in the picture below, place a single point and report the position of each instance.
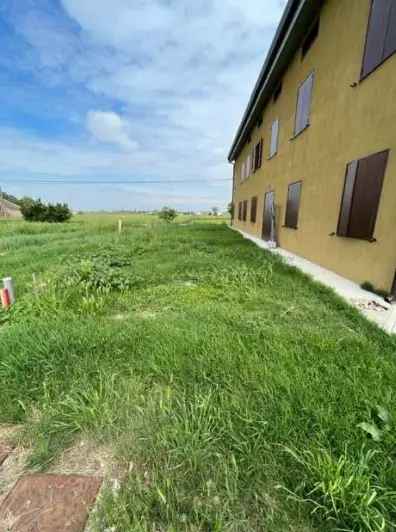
(229, 385)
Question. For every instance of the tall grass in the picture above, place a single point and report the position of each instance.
(230, 386)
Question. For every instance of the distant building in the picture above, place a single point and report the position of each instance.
(315, 153)
(9, 210)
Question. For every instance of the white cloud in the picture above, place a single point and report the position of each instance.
(180, 72)
(108, 127)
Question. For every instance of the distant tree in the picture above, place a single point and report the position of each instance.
(37, 211)
(167, 214)
(215, 211)
(58, 213)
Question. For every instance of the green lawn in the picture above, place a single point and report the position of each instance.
(229, 386)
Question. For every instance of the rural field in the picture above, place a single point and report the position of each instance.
(225, 390)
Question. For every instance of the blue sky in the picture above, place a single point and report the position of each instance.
(115, 90)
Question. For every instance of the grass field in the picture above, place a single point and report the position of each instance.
(235, 393)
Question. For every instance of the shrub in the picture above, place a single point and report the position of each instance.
(99, 272)
(37, 211)
(167, 214)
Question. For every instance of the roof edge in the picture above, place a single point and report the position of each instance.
(286, 25)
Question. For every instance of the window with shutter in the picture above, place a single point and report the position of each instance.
(393, 291)
(293, 205)
(253, 210)
(258, 154)
(240, 211)
(361, 196)
(245, 209)
(274, 138)
(381, 35)
(304, 104)
(248, 165)
(347, 198)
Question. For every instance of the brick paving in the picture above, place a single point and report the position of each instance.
(49, 503)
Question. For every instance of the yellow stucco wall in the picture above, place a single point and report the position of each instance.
(345, 124)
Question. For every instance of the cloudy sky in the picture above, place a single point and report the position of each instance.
(127, 90)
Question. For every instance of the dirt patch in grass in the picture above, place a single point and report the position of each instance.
(8, 434)
(87, 458)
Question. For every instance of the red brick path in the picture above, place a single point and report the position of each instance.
(49, 503)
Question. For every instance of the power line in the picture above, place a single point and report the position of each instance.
(108, 182)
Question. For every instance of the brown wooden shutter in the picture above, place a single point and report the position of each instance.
(304, 104)
(366, 195)
(240, 211)
(393, 290)
(376, 34)
(253, 210)
(390, 40)
(346, 203)
(245, 208)
(274, 138)
(293, 205)
(260, 157)
(256, 157)
(258, 154)
(252, 160)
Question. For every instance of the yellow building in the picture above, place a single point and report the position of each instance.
(315, 154)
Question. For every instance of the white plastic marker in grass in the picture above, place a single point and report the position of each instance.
(8, 284)
(119, 227)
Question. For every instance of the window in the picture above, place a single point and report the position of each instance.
(274, 138)
(248, 165)
(258, 155)
(253, 210)
(240, 211)
(361, 196)
(245, 208)
(293, 205)
(243, 171)
(304, 104)
(310, 38)
(277, 91)
(381, 35)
